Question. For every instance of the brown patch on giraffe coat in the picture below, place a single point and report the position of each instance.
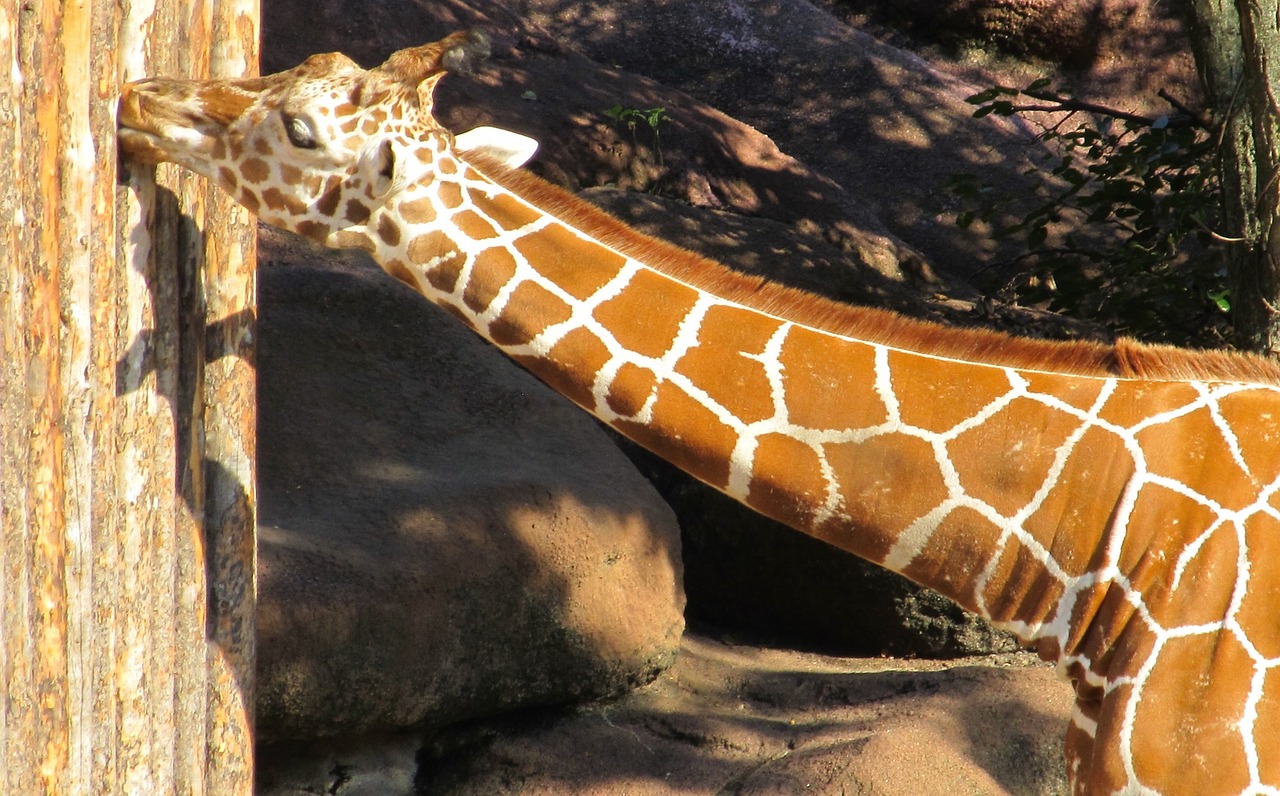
(1006, 461)
(1191, 450)
(389, 230)
(1081, 505)
(787, 482)
(449, 194)
(646, 315)
(957, 552)
(1020, 588)
(828, 382)
(1267, 728)
(937, 395)
(315, 230)
(328, 202)
(262, 146)
(570, 365)
(230, 181)
(430, 246)
(1257, 614)
(348, 239)
(473, 225)
(550, 250)
(1255, 410)
(886, 482)
(493, 269)
(278, 201)
(721, 364)
(255, 170)
(1185, 736)
(357, 212)
(539, 309)
(416, 211)
(1163, 524)
(687, 434)
(290, 174)
(219, 150)
(631, 387)
(249, 199)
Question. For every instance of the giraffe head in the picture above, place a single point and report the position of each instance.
(319, 148)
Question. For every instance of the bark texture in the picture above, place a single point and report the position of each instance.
(1237, 46)
(126, 389)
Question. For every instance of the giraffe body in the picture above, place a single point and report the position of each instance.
(1114, 506)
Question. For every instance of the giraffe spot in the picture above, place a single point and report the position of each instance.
(512, 213)
(1081, 393)
(938, 394)
(314, 184)
(570, 366)
(369, 126)
(1267, 728)
(344, 110)
(1160, 529)
(492, 271)
(429, 246)
(1257, 410)
(417, 211)
(444, 165)
(1021, 588)
(349, 126)
(290, 175)
(1080, 505)
(631, 387)
(725, 363)
(550, 251)
(262, 146)
(388, 230)
(314, 230)
(1137, 401)
(1007, 460)
(884, 483)
(357, 212)
(828, 382)
(327, 204)
(255, 170)
(444, 276)
(449, 194)
(235, 149)
(1257, 616)
(686, 433)
(250, 200)
(219, 150)
(230, 181)
(1185, 728)
(348, 239)
(787, 482)
(278, 201)
(530, 311)
(646, 315)
(400, 270)
(957, 551)
(1193, 450)
(474, 226)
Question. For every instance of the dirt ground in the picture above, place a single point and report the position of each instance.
(734, 719)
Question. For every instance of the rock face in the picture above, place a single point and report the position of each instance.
(440, 536)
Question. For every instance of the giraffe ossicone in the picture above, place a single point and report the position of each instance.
(1116, 506)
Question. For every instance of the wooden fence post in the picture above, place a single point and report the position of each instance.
(127, 413)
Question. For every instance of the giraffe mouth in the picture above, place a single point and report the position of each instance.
(155, 125)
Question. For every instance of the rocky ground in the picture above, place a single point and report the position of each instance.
(460, 574)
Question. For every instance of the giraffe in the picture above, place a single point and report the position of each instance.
(1115, 506)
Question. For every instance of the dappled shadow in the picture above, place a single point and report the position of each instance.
(440, 536)
(746, 720)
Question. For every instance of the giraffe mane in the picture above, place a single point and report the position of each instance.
(1126, 358)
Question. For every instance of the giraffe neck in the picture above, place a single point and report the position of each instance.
(917, 462)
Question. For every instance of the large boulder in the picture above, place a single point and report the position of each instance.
(441, 537)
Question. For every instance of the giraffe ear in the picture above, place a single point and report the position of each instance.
(510, 149)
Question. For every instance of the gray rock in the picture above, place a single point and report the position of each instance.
(441, 537)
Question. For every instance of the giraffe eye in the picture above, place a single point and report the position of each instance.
(299, 131)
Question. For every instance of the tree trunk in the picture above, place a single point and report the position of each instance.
(126, 392)
(1237, 45)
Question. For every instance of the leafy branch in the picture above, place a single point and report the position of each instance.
(1123, 232)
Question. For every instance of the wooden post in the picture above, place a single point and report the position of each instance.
(127, 413)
